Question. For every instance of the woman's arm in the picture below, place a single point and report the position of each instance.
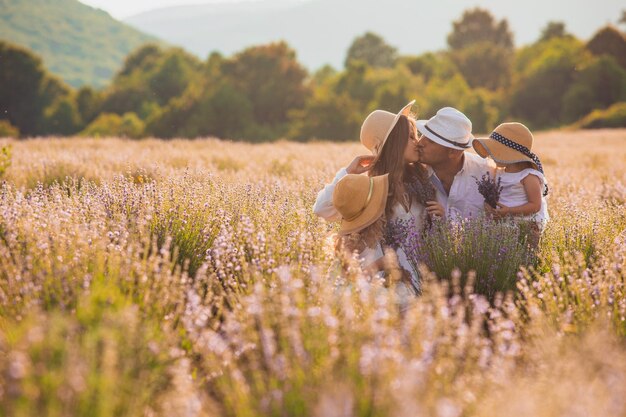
(323, 206)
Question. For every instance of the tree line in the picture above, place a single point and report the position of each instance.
(263, 93)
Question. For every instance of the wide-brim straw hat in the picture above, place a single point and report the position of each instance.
(449, 128)
(499, 152)
(360, 200)
(377, 127)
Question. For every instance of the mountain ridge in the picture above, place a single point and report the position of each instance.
(80, 44)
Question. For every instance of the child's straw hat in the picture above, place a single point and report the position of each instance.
(360, 200)
(508, 143)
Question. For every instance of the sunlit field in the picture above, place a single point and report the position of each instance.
(191, 278)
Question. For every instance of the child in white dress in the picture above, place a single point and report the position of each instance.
(524, 186)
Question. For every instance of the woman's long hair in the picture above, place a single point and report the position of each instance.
(403, 178)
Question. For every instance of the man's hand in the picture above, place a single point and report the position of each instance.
(435, 210)
(360, 164)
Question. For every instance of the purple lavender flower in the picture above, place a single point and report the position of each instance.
(423, 190)
(489, 188)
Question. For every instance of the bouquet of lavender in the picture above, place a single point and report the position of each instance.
(489, 188)
(424, 190)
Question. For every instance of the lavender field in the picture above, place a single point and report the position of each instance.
(191, 278)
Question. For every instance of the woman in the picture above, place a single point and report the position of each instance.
(392, 139)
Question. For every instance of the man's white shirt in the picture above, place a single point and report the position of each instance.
(464, 200)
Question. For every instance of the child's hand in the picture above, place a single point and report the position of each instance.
(499, 212)
(502, 211)
(491, 212)
(435, 210)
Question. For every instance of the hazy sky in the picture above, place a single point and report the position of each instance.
(121, 9)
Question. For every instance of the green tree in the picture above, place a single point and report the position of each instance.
(150, 78)
(545, 72)
(483, 109)
(7, 130)
(484, 65)
(272, 80)
(553, 30)
(62, 117)
(88, 102)
(225, 113)
(597, 86)
(609, 41)
(482, 49)
(356, 83)
(143, 58)
(212, 107)
(114, 125)
(120, 99)
(393, 88)
(442, 92)
(430, 65)
(171, 75)
(322, 75)
(26, 89)
(373, 50)
(326, 116)
(477, 26)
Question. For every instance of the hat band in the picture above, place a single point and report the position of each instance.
(367, 201)
(520, 148)
(460, 145)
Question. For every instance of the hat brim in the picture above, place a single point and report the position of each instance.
(421, 127)
(406, 111)
(374, 209)
(499, 152)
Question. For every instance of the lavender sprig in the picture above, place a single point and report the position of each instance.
(423, 190)
(489, 188)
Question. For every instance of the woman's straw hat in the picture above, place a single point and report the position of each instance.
(360, 200)
(507, 144)
(378, 125)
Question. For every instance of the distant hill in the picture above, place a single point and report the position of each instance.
(80, 44)
(322, 30)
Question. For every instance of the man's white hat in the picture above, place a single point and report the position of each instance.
(449, 128)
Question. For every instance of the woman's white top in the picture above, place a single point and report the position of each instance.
(324, 208)
(514, 195)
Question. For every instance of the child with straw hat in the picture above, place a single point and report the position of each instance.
(361, 202)
(524, 186)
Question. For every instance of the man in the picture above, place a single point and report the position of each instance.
(443, 140)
